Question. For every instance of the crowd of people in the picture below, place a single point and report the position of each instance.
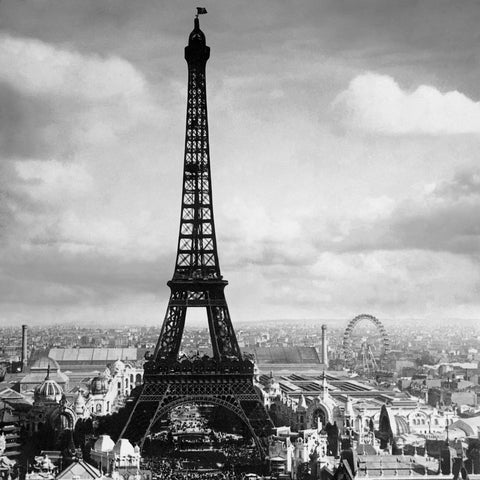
(170, 469)
(187, 419)
(191, 425)
(240, 454)
(189, 449)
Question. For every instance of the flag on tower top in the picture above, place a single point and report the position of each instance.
(201, 10)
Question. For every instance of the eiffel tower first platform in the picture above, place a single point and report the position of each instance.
(226, 379)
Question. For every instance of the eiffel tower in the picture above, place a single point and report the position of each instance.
(226, 378)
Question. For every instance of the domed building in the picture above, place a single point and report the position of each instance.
(108, 455)
(101, 453)
(48, 392)
(102, 395)
(52, 411)
(117, 367)
(100, 385)
(109, 389)
(126, 377)
(125, 454)
(103, 444)
(50, 408)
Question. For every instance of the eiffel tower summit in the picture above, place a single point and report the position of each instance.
(226, 378)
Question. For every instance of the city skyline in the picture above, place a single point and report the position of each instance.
(343, 148)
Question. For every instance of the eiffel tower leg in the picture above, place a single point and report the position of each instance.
(172, 330)
(224, 341)
(157, 415)
(213, 337)
(242, 414)
(144, 413)
(128, 425)
(260, 422)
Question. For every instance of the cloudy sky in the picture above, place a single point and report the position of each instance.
(345, 146)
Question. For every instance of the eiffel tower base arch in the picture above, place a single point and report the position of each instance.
(233, 390)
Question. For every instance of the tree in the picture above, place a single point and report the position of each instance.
(425, 359)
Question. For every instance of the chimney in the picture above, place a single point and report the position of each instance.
(324, 346)
(24, 348)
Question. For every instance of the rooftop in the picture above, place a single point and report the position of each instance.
(94, 356)
(286, 355)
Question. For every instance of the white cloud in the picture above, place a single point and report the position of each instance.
(259, 236)
(76, 100)
(441, 216)
(82, 234)
(375, 208)
(97, 120)
(50, 181)
(396, 283)
(377, 104)
(35, 67)
(400, 282)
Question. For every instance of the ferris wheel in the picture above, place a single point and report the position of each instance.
(365, 344)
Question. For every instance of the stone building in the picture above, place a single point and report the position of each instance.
(359, 411)
(120, 456)
(51, 410)
(109, 389)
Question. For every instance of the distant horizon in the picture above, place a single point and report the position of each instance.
(331, 322)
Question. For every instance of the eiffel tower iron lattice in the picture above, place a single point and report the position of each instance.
(226, 379)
